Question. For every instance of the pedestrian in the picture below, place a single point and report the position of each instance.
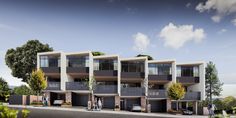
(46, 100)
(213, 108)
(99, 104)
(209, 109)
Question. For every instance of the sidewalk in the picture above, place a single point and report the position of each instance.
(108, 111)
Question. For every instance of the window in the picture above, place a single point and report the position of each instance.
(87, 61)
(196, 71)
(187, 71)
(54, 62)
(105, 64)
(164, 69)
(76, 61)
(135, 66)
(96, 64)
(152, 69)
(178, 71)
(159, 69)
(43, 61)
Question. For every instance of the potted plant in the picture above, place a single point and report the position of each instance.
(66, 104)
(117, 107)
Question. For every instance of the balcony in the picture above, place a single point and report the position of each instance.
(51, 69)
(105, 73)
(133, 91)
(106, 89)
(160, 78)
(192, 96)
(82, 70)
(132, 74)
(76, 86)
(53, 86)
(188, 80)
(153, 93)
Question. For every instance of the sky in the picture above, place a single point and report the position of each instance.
(186, 30)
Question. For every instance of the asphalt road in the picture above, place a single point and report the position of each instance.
(40, 113)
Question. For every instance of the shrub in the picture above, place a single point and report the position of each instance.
(6, 112)
(66, 103)
(25, 113)
(36, 103)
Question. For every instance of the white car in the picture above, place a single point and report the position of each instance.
(136, 108)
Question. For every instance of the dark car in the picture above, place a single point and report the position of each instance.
(187, 112)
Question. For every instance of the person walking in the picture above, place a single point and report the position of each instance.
(99, 104)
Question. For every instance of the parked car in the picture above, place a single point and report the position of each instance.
(187, 112)
(136, 108)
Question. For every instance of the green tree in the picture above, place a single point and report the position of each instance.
(143, 55)
(23, 60)
(229, 102)
(37, 82)
(176, 92)
(23, 90)
(213, 86)
(96, 53)
(4, 89)
(91, 83)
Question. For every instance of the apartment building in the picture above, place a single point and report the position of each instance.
(120, 81)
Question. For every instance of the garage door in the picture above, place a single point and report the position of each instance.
(79, 99)
(158, 105)
(109, 102)
(131, 101)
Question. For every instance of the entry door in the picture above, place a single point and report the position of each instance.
(122, 104)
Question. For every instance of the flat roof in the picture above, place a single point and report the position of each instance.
(133, 59)
(162, 61)
(191, 63)
(105, 56)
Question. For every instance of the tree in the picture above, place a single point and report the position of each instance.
(96, 53)
(37, 82)
(23, 60)
(4, 89)
(176, 92)
(213, 86)
(143, 55)
(23, 90)
(91, 83)
(229, 102)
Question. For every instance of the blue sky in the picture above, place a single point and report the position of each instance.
(186, 30)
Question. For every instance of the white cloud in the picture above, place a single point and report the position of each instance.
(216, 18)
(141, 42)
(188, 5)
(222, 31)
(176, 36)
(234, 22)
(221, 8)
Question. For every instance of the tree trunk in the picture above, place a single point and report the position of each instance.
(177, 105)
(37, 96)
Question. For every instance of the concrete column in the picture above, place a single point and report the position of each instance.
(195, 105)
(186, 104)
(168, 104)
(117, 100)
(143, 103)
(68, 97)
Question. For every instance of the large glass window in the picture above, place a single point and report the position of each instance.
(105, 64)
(196, 71)
(43, 61)
(159, 69)
(135, 66)
(187, 71)
(54, 62)
(152, 68)
(76, 61)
